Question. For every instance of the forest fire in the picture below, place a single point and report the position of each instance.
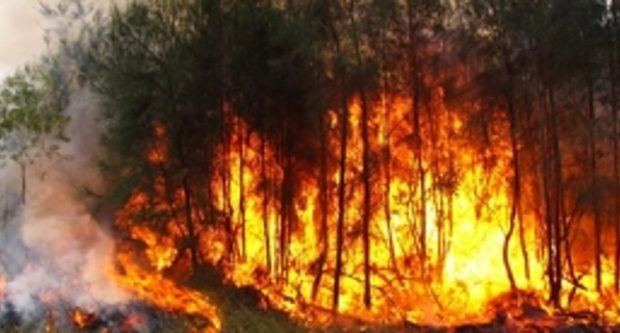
(431, 261)
(308, 164)
(444, 260)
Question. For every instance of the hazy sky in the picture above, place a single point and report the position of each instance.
(22, 28)
(21, 34)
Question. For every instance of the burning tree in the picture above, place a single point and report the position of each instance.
(417, 161)
(346, 153)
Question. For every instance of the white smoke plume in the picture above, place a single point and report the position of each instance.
(52, 246)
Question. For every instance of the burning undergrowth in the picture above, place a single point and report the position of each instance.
(465, 287)
(60, 269)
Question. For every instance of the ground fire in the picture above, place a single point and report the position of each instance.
(153, 297)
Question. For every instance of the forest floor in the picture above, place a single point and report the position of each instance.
(240, 309)
(241, 313)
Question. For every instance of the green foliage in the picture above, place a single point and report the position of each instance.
(183, 65)
(32, 121)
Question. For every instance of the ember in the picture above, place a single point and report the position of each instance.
(82, 319)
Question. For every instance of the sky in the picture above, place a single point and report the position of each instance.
(21, 34)
(22, 30)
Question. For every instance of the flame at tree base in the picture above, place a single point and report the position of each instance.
(163, 293)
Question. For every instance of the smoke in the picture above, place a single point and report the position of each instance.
(52, 250)
(52, 247)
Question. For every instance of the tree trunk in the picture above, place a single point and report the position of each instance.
(286, 207)
(595, 206)
(613, 62)
(616, 134)
(516, 190)
(227, 200)
(387, 153)
(191, 234)
(548, 189)
(417, 135)
(265, 202)
(553, 295)
(344, 123)
(22, 166)
(516, 180)
(367, 198)
(242, 187)
(388, 183)
(344, 120)
(557, 215)
(613, 69)
(365, 160)
(324, 211)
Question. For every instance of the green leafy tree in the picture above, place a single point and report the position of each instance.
(31, 119)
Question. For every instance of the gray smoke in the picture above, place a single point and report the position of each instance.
(52, 246)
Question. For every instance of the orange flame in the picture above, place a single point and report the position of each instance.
(467, 211)
(163, 293)
(458, 276)
(82, 319)
(2, 287)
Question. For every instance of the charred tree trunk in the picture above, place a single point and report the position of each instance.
(191, 233)
(417, 135)
(344, 120)
(367, 198)
(613, 70)
(548, 156)
(286, 205)
(191, 237)
(386, 147)
(365, 159)
(516, 190)
(344, 135)
(593, 173)
(265, 202)
(324, 210)
(211, 208)
(516, 180)
(241, 144)
(421, 176)
(546, 175)
(226, 198)
(388, 180)
(557, 201)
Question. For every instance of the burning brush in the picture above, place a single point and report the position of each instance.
(51, 314)
(150, 302)
(156, 305)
